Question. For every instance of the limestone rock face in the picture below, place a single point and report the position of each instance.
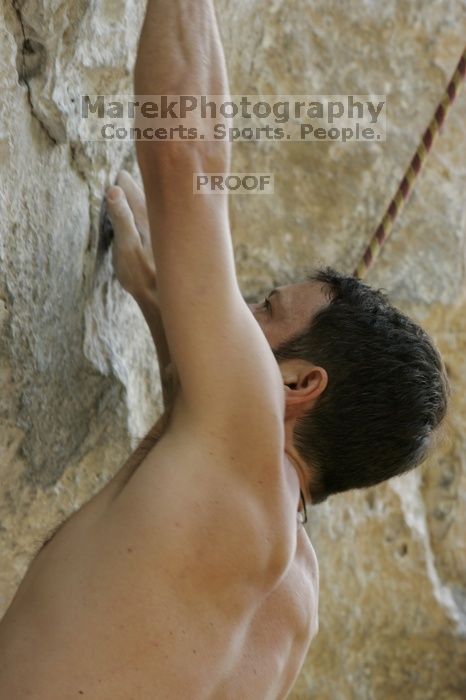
(77, 389)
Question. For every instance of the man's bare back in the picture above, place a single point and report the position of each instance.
(105, 611)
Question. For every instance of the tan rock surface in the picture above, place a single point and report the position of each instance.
(77, 391)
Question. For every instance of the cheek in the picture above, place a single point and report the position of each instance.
(273, 333)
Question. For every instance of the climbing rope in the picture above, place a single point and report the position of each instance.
(384, 230)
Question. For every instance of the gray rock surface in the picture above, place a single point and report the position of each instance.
(76, 391)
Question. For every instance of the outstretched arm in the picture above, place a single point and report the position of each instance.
(231, 390)
(216, 344)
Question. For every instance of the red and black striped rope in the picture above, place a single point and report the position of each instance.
(403, 192)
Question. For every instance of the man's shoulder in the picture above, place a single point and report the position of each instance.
(253, 462)
(205, 511)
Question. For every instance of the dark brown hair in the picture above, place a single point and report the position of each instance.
(387, 390)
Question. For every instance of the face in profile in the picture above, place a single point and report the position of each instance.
(288, 310)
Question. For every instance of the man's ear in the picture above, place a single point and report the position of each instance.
(304, 382)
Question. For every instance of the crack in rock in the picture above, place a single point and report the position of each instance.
(80, 170)
(27, 47)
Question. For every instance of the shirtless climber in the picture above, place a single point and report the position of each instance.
(189, 576)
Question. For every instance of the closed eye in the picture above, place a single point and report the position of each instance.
(267, 305)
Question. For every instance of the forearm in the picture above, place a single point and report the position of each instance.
(180, 48)
(180, 52)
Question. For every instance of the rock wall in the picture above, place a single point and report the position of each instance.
(77, 391)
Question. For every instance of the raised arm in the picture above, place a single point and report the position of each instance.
(223, 360)
(228, 375)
